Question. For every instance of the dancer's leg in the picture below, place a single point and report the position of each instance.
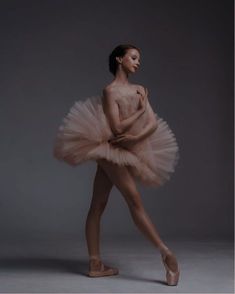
(123, 180)
(101, 190)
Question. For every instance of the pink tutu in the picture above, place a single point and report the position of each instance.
(85, 132)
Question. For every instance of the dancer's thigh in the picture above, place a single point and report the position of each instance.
(123, 180)
(101, 187)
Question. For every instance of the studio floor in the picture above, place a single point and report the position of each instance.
(60, 265)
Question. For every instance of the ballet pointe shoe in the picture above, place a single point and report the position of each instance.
(98, 269)
(172, 277)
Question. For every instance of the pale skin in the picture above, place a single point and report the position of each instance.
(109, 174)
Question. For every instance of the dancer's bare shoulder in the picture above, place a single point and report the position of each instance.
(112, 92)
(110, 89)
(109, 100)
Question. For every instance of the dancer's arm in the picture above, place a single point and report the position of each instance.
(147, 131)
(111, 110)
(127, 140)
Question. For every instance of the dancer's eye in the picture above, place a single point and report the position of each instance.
(134, 58)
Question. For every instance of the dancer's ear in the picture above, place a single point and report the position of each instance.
(118, 59)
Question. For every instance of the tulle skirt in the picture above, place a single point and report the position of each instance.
(84, 134)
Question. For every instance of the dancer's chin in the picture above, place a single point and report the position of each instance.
(132, 71)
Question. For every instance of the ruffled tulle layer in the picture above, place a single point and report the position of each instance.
(84, 135)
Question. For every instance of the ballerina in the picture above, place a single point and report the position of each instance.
(129, 141)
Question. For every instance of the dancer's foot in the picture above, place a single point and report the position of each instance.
(172, 269)
(98, 269)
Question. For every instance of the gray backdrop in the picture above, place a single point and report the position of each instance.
(56, 52)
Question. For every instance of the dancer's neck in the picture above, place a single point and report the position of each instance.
(121, 78)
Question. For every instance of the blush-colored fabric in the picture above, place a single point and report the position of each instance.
(85, 131)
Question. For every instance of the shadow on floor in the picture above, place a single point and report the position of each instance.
(55, 265)
(44, 264)
(136, 278)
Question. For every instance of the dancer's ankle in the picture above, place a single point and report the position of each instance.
(163, 248)
(94, 257)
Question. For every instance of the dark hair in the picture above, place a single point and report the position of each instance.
(118, 51)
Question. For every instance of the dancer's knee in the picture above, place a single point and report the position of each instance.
(133, 200)
(98, 208)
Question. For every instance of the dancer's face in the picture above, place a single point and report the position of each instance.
(130, 62)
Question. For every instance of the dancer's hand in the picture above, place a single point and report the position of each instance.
(123, 140)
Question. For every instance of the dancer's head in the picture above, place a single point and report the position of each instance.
(124, 57)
